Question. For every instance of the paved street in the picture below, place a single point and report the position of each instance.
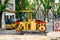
(4, 32)
(14, 32)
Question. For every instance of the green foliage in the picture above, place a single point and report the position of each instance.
(22, 5)
(58, 11)
(0, 5)
(3, 6)
(17, 8)
(26, 3)
(47, 4)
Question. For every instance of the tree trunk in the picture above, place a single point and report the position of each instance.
(23, 5)
(0, 19)
(47, 15)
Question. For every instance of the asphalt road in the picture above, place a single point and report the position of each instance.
(4, 32)
(14, 32)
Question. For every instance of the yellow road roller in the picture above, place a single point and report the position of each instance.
(26, 22)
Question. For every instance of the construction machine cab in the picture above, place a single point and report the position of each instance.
(25, 15)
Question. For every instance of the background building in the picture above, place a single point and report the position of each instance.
(9, 13)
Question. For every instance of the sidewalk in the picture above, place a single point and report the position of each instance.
(23, 37)
(53, 34)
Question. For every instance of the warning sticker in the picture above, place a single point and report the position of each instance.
(57, 26)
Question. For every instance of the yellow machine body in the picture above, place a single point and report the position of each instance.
(30, 24)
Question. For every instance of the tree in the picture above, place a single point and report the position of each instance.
(17, 8)
(58, 11)
(2, 9)
(22, 5)
(47, 6)
(25, 5)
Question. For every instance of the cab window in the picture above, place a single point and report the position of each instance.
(24, 16)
